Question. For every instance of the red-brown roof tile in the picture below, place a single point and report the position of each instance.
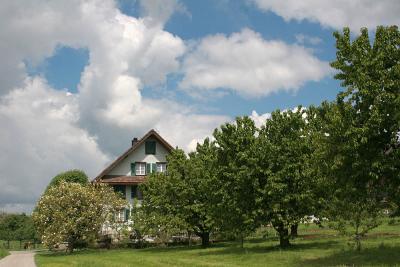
(127, 180)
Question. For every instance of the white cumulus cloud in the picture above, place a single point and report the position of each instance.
(259, 119)
(40, 138)
(250, 65)
(336, 14)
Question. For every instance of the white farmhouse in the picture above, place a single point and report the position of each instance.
(146, 155)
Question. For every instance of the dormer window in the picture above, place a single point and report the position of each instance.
(150, 147)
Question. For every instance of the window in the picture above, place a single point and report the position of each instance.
(120, 215)
(136, 193)
(127, 214)
(140, 168)
(120, 189)
(161, 167)
(150, 147)
(133, 191)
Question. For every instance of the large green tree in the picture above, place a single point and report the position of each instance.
(283, 150)
(73, 213)
(201, 173)
(370, 72)
(179, 200)
(355, 193)
(358, 148)
(235, 190)
(159, 214)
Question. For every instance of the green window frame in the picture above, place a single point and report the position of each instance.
(127, 214)
(133, 169)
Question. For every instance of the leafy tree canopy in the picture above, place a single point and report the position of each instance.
(370, 72)
(236, 190)
(287, 188)
(180, 200)
(73, 213)
(71, 176)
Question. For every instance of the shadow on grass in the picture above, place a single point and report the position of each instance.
(265, 249)
(299, 237)
(380, 256)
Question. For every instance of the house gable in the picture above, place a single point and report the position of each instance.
(139, 155)
(121, 167)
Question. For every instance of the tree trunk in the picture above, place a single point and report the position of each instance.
(205, 239)
(70, 247)
(190, 238)
(293, 230)
(8, 244)
(357, 240)
(357, 237)
(284, 238)
(283, 235)
(241, 241)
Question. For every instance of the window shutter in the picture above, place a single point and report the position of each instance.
(153, 167)
(126, 214)
(150, 147)
(148, 166)
(133, 169)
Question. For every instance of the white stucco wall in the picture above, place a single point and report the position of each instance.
(124, 167)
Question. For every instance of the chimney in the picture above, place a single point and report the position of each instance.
(134, 141)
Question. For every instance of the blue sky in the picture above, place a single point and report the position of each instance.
(80, 79)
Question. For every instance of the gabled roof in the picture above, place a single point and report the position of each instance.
(151, 133)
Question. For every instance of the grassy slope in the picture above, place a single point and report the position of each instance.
(315, 247)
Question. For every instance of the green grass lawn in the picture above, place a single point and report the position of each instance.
(3, 253)
(314, 247)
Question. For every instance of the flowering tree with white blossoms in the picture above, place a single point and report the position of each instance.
(73, 213)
